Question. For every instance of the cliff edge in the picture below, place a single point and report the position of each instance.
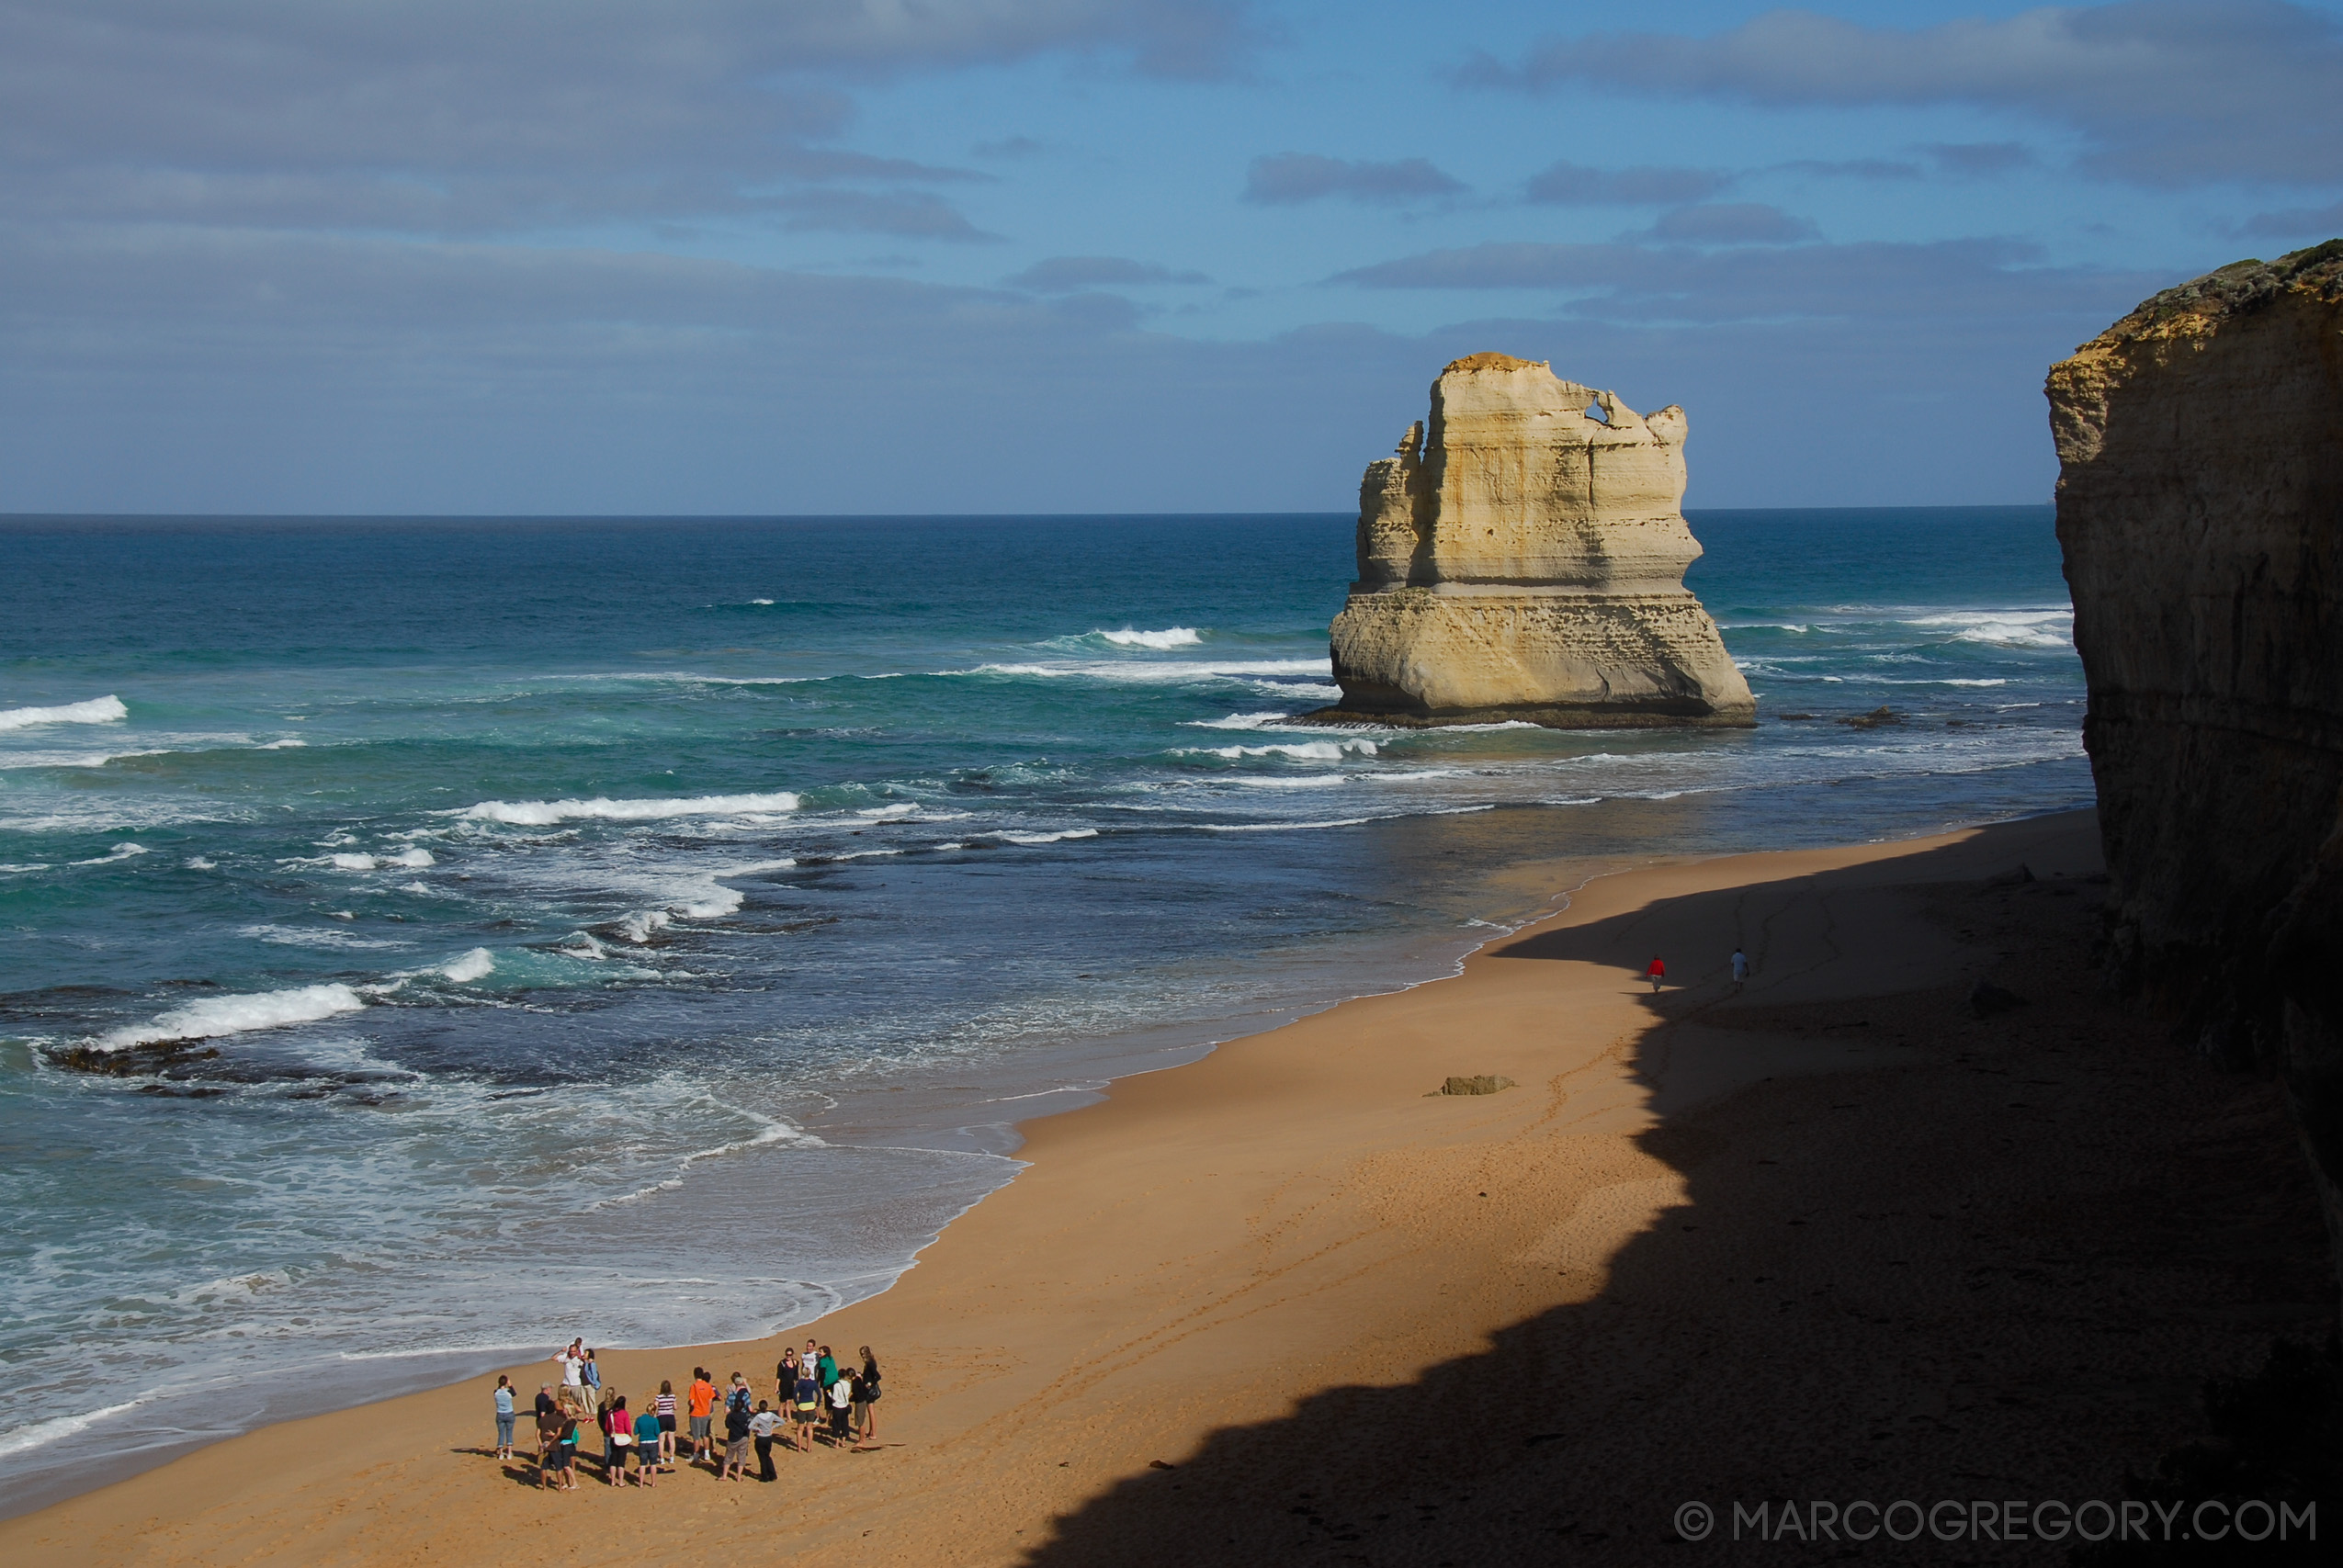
(2200, 512)
(1522, 556)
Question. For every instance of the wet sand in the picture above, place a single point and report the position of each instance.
(1831, 1237)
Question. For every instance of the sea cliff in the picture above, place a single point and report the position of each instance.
(2200, 512)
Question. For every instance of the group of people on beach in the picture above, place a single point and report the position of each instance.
(815, 1400)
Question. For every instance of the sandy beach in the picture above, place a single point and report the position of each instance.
(1831, 1236)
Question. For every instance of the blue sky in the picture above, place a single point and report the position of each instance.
(1005, 256)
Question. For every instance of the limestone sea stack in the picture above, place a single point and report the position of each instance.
(2201, 511)
(1523, 556)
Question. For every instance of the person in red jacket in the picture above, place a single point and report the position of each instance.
(1656, 974)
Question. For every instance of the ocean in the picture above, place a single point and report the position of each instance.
(650, 928)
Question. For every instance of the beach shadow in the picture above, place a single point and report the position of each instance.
(1996, 1262)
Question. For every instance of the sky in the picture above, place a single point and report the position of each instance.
(999, 256)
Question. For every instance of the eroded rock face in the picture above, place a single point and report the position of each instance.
(2201, 511)
(1523, 556)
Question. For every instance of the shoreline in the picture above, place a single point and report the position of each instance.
(1074, 1075)
(1234, 1247)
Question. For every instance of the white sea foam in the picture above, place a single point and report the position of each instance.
(1311, 781)
(237, 1015)
(41, 1434)
(1337, 822)
(771, 1132)
(1242, 720)
(1159, 673)
(121, 852)
(296, 936)
(2044, 628)
(543, 813)
(470, 967)
(282, 745)
(97, 710)
(32, 866)
(30, 760)
(1171, 636)
(1300, 750)
(759, 601)
(1051, 837)
(199, 863)
(638, 927)
(413, 859)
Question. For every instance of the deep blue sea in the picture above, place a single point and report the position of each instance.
(649, 927)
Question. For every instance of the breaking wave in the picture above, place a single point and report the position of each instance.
(1171, 636)
(545, 813)
(97, 710)
(236, 1015)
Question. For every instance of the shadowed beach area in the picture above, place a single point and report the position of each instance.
(1841, 1235)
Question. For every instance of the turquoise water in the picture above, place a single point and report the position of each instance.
(646, 928)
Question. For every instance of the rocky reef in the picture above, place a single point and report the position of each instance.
(1523, 556)
(2201, 511)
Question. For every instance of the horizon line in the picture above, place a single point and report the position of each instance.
(8, 518)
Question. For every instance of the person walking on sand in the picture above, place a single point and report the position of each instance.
(1740, 969)
(866, 1396)
(649, 1434)
(1656, 972)
(662, 1406)
(702, 1405)
(505, 1416)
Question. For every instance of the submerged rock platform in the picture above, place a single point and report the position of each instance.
(1523, 556)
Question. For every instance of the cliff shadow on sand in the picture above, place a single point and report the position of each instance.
(1940, 1247)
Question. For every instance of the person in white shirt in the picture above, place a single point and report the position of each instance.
(762, 1425)
(574, 1392)
(842, 1399)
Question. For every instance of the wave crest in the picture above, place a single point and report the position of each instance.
(236, 1015)
(1170, 637)
(97, 710)
(544, 812)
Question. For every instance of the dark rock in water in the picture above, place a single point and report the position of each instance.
(1485, 1083)
(132, 1061)
(2200, 512)
(1986, 998)
(1874, 720)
